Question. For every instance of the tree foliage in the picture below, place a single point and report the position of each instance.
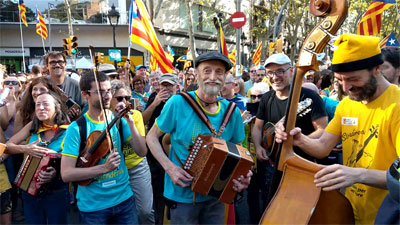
(298, 22)
(9, 12)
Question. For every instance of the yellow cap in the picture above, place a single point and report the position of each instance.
(356, 52)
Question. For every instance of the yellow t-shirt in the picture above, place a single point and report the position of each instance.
(131, 158)
(4, 182)
(371, 139)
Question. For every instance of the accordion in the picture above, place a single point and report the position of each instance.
(214, 163)
(27, 177)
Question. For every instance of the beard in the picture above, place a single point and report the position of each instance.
(366, 91)
(97, 104)
(211, 90)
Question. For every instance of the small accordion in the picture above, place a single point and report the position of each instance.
(214, 163)
(28, 174)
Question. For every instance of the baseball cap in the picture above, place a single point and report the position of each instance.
(108, 69)
(214, 56)
(138, 67)
(169, 77)
(229, 79)
(279, 59)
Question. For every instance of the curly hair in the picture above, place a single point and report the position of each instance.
(26, 107)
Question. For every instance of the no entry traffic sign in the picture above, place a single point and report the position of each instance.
(238, 19)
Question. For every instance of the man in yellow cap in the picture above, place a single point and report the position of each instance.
(367, 122)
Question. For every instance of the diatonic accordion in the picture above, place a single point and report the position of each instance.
(214, 163)
(28, 174)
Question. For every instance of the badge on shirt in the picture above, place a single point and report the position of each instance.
(350, 121)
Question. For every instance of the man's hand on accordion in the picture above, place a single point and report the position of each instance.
(46, 176)
(242, 183)
(179, 176)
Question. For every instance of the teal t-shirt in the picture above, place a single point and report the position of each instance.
(54, 145)
(179, 119)
(140, 97)
(109, 189)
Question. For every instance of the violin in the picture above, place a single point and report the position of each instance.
(98, 145)
(297, 199)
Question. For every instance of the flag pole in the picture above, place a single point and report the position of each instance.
(22, 40)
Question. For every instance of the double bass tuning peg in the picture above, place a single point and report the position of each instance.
(324, 27)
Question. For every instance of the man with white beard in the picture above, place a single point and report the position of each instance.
(179, 119)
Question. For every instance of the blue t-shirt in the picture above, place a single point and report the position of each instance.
(139, 96)
(179, 119)
(109, 189)
(54, 145)
(239, 100)
(330, 106)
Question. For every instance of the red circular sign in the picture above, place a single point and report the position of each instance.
(238, 20)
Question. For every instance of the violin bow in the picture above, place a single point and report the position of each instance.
(91, 51)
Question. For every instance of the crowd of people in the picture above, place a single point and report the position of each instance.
(351, 128)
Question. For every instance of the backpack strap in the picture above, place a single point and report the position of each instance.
(119, 127)
(81, 121)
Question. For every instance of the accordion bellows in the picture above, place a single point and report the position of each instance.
(214, 163)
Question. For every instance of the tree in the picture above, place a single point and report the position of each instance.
(9, 12)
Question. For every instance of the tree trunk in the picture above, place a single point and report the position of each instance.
(190, 30)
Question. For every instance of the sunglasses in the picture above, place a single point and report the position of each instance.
(121, 98)
(255, 96)
(8, 82)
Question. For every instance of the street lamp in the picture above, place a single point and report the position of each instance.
(113, 17)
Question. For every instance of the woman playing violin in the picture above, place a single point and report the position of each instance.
(44, 133)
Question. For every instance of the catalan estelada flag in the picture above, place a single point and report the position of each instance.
(153, 64)
(143, 34)
(41, 28)
(22, 12)
(257, 55)
(390, 41)
(370, 23)
(232, 57)
(223, 49)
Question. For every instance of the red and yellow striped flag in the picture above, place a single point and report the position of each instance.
(22, 12)
(223, 49)
(232, 57)
(257, 55)
(153, 64)
(41, 28)
(143, 34)
(370, 23)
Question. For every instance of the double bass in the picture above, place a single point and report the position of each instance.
(297, 199)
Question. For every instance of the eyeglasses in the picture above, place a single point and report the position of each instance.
(253, 71)
(121, 98)
(60, 62)
(102, 92)
(8, 82)
(277, 73)
(255, 96)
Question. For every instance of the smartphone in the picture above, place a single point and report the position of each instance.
(252, 108)
(70, 103)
